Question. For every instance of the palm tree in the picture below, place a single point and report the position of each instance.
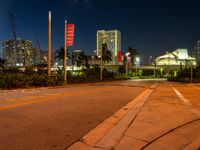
(133, 53)
(81, 59)
(107, 55)
(60, 54)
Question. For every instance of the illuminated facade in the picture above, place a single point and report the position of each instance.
(175, 58)
(22, 55)
(196, 52)
(113, 40)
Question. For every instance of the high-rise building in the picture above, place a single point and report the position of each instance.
(196, 52)
(21, 55)
(112, 38)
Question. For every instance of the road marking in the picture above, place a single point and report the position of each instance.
(186, 102)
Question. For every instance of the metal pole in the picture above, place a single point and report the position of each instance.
(150, 57)
(65, 53)
(191, 71)
(101, 71)
(126, 65)
(136, 70)
(49, 44)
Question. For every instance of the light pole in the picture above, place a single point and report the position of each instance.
(49, 45)
(93, 60)
(191, 78)
(65, 53)
(127, 63)
(136, 67)
(103, 42)
(150, 57)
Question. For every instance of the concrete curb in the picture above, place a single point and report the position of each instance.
(107, 135)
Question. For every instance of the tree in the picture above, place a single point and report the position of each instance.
(60, 54)
(2, 63)
(133, 53)
(107, 55)
(80, 59)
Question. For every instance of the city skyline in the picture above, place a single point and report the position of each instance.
(151, 27)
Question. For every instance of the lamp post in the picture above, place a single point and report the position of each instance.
(150, 57)
(127, 63)
(137, 62)
(93, 60)
(103, 42)
(49, 45)
(191, 78)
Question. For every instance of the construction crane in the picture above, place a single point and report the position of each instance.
(14, 38)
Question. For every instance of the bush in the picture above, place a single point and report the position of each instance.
(14, 78)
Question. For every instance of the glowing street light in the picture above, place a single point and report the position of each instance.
(127, 54)
(150, 57)
(137, 63)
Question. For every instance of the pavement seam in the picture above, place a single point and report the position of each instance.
(132, 137)
(170, 131)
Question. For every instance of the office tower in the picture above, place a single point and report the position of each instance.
(21, 55)
(112, 38)
(196, 52)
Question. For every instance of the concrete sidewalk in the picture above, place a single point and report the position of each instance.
(156, 119)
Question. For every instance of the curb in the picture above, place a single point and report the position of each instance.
(108, 134)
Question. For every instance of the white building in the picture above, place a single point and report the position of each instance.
(175, 58)
(113, 40)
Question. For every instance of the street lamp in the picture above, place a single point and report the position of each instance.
(191, 71)
(150, 57)
(93, 60)
(137, 63)
(103, 42)
(127, 54)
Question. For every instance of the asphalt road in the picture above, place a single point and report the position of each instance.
(54, 118)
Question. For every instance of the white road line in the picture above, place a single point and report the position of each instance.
(186, 102)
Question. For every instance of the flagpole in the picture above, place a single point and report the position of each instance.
(49, 44)
(65, 53)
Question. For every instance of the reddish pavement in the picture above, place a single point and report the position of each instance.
(165, 116)
(54, 118)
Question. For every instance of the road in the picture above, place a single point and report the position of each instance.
(55, 118)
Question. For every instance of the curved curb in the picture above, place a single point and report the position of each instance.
(108, 134)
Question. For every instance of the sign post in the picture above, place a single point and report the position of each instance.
(65, 53)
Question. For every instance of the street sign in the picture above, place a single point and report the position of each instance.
(70, 34)
(119, 56)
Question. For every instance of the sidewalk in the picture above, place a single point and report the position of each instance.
(155, 120)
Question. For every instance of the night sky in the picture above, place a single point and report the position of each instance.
(151, 26)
